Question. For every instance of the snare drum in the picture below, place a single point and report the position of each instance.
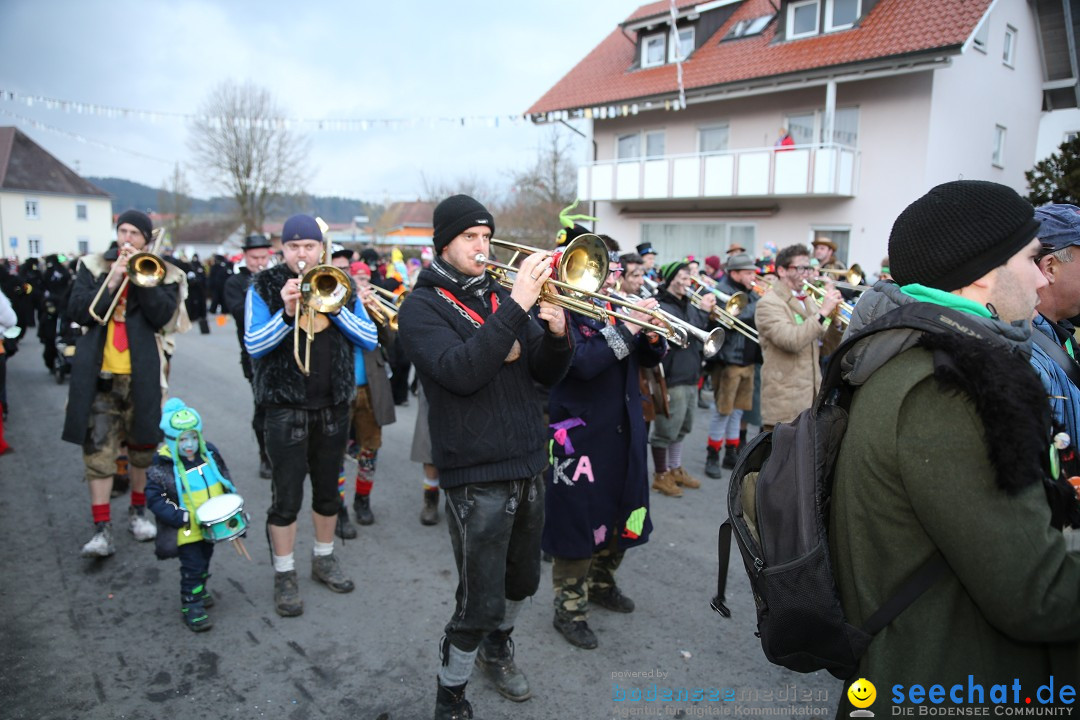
(222, 517)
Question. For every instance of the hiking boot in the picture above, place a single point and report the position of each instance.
(730, 456)
(327, 570)
(665, 484)
(287, 600)
(206, 597)
(450, 703)
(101, 545)
(344, 529)
(611, 598)
(193, 610)
(429, 515)
(362, 508)
(496, 659)
(576, 632)
(712, 463)
(142, 527)
(266, 470)
(681, 477)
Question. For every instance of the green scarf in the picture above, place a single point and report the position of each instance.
(922, 293)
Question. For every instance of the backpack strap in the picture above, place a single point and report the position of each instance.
(723, 545)
(915, 585)
(1058, 355)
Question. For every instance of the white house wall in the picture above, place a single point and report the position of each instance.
(1052, 129)
(980, 92)
(56, 226)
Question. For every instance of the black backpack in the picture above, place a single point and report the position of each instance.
(778, 506)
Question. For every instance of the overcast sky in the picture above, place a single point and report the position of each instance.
(410, 61)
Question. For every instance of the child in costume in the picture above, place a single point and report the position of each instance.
(186, 472)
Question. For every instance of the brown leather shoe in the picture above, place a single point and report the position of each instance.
(684, 478)
(665, 483)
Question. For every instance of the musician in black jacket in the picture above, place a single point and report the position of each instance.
(477, 353)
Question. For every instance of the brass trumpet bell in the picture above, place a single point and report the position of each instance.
(325, 289)
(146, 269)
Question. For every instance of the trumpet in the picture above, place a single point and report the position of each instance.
(323, 289)
(842, 314)
(144, 269)
(727, 313)
(383, 306)
(581, 268)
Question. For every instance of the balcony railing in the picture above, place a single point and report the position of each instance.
(798, 171)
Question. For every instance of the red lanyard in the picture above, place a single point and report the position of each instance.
(469, 311)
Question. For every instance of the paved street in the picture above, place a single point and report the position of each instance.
(104, 639)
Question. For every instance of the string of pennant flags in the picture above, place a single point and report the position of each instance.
(80, 138)
(337, 124)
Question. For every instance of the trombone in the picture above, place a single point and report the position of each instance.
(843, 311)
(323, 289)
(676, 330)
(144, 268)
(853, 276)
(727, 309)
(582, 268)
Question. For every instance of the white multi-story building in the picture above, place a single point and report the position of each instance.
(45, 207)
(883, 99)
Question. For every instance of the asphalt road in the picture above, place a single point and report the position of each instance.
(104, 638)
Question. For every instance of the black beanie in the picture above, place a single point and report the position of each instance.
(456, 214)
(958, 232)
(139, 219)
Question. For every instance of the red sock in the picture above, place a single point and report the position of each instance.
(716, 444)
(733, 443)
(101, 513)
(363, 487)
(138, 499)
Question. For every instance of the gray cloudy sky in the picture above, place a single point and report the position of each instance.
(410, 61)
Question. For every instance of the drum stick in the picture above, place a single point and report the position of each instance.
(240, 549)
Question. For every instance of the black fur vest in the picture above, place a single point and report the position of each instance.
(278, 380)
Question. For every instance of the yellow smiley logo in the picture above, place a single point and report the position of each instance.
(862, 693)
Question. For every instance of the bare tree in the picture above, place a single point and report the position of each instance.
(174, 202)
(538, 194)
(242, 144)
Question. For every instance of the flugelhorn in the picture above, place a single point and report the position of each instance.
(323, 289)
(144, 269)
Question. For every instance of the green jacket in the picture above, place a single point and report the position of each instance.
(914, 475)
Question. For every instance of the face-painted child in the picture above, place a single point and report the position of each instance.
(188, 444)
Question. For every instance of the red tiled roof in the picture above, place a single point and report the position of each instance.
(408, 214)
(25, 165)
(893, 28)
(663, 7)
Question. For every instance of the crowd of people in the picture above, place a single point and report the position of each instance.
(537, 416)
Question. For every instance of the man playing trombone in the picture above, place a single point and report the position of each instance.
(116, 385)
(477, 353)
(307, 409)
(792, 328)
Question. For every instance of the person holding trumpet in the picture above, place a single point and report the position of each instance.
(116, 387)
(307, 408)
(794, 328)
(477, 353)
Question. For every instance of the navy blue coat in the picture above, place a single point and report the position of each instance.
(601, 487)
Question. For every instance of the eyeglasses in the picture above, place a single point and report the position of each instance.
(800, 268)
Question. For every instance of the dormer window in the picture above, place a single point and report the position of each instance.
(802, 19)
(652, 50)
(683, 46)
(841, 14)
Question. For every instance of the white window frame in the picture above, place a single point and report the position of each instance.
(676, 43)
(714, 126)
(645, 143)
(81, 211)
(33, 247)
(1008, 53)
(629, 158)
(792, 8)
(997, 159)
(830, 6)
(1071, 135)
(982, 36)
(645, 42)
(842, 253)
(33, 208)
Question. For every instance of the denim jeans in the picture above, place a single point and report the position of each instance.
(495, 532)
(300, 442)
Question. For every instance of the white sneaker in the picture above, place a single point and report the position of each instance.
(101, 545)
(140, 526)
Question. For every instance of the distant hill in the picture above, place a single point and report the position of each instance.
(127, 194)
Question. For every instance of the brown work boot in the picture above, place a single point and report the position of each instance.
(665, 483)
(684, 478)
